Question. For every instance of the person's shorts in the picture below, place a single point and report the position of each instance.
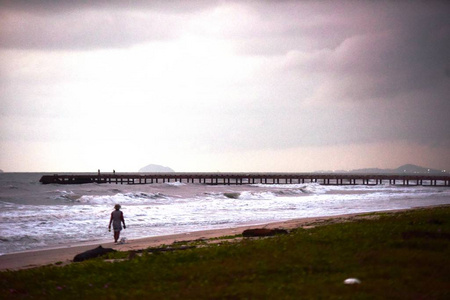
(117, 227)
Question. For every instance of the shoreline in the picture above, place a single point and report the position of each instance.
(65, 255)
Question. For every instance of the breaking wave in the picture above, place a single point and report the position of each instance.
(122, 198)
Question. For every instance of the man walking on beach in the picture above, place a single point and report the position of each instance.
(117, 220)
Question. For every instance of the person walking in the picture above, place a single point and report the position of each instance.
(117, 219)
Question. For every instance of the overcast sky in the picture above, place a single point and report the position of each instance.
(282, 86)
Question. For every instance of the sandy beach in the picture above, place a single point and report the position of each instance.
(65, 255)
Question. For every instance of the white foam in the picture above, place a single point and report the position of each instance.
(176, 183)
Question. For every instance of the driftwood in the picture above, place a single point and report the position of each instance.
(93, 253)
(258, 232)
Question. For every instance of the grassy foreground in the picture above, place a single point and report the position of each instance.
(394, 255)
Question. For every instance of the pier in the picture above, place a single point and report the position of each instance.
(250, 178)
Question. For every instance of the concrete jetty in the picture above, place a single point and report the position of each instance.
(249, 178)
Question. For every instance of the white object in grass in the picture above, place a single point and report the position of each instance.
(352, 281)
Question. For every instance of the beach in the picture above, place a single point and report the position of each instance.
(65, 255)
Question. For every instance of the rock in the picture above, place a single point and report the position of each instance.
(99, 251)
(257, 232)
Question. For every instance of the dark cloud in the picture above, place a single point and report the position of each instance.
(378, 86)
(387, 83)
(308, 25)
(82, 29)
(57, 6)
(91, 24)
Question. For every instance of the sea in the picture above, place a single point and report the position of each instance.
(35, 216)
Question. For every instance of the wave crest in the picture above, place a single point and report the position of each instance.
(123, 198)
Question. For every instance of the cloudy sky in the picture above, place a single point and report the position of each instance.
(283, 86)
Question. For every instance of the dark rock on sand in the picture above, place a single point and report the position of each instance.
(257, 232)
(99, 251)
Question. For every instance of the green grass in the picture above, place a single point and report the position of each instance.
(396, 256)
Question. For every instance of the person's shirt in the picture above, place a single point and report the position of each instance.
(117, 216)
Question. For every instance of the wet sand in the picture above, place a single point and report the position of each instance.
(65, 255)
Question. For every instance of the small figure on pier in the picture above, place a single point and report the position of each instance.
(98, 172)
(117, 219)
(114, 172)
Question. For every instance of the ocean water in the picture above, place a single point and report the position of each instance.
(35, 216)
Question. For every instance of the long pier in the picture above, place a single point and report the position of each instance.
(250, 178)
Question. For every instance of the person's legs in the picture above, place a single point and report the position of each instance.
(116, 236)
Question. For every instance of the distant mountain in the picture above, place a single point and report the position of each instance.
(405, 169)
(416, 169)
(155, 169)
(1, 171)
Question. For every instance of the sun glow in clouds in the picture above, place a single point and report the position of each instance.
(158, 76)
(144, 96)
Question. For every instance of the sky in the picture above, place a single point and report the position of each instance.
(228, 86)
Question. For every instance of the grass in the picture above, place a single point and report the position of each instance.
(396, 256)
